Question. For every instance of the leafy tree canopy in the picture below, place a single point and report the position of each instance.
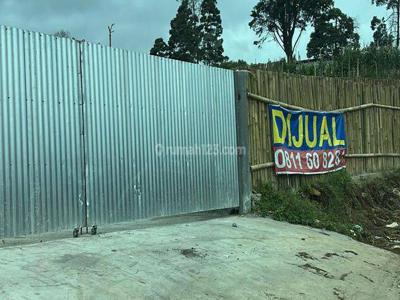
(194, 39)
(390, 4)
(382, 37)
(284, 21)
(394, 18)
(333, 31)
(184, 40)
(63, 34)
(212, 50)
(160, 48)
(194, 6)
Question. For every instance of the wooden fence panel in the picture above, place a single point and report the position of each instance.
(369, 131)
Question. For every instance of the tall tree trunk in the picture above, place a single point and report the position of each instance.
(398, 24)
(288, 44)
(289, 52)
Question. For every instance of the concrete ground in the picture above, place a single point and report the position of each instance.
(207, 259)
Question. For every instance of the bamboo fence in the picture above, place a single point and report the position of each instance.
(371, 107)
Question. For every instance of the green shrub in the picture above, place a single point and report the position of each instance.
(287, 206)
(327, 203)
(336, 202)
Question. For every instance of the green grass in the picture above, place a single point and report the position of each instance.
(335, 202)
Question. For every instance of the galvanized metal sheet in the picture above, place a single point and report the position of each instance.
(120, 134)
(158, 135)
(40, 161)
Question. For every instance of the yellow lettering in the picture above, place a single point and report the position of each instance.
(324, 134)
(336, 142)
(289, 117)
(299, 142)
(279, 139)
(313, 143)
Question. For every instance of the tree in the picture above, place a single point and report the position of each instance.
(185, 35)
(394, 18)
(194, 6)
(192, 39)
(211, 48)
(382, 37)
(63, 34)
(285, 20)
(333, 31)
(160, 48)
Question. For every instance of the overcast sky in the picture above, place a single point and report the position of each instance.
(139, 22)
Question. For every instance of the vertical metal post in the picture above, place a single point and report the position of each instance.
(83, 136)
(242, 133)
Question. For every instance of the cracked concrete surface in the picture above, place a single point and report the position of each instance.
(258, 259)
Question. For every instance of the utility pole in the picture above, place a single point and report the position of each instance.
(110, 32)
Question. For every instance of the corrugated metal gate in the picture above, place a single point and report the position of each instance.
(131, 135)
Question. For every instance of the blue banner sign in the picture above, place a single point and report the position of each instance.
(307, 142)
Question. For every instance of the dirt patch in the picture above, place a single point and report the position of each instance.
(339, 294)
(330, 254)
(371, 264)
(78, 261)
(192, 253)
(366, 277)
(273, 296)
(351, 252)
(382, 209)
(316, 271)
(343, 277)
(324, 233)
(305, 256)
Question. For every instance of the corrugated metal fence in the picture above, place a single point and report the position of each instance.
(131, 135)
(40, 151)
